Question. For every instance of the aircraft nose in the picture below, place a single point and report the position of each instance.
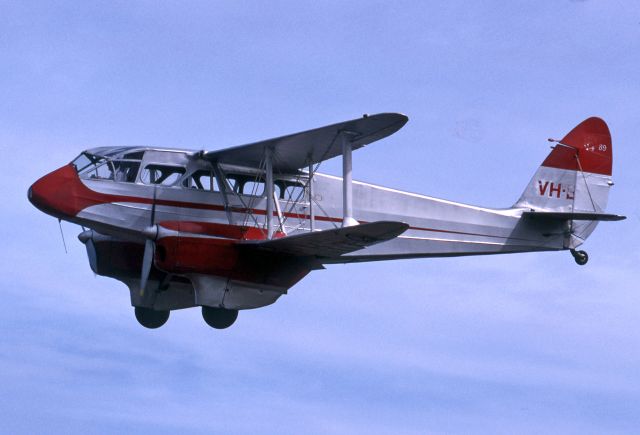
(53, 193)
(40, 193)
(35, 196)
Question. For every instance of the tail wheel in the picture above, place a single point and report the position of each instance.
(219, 318)
(581, 257)
(151, 319)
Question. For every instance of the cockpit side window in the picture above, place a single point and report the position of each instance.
(94, 167)
(83, 161)
(164, 175)
(98, 168)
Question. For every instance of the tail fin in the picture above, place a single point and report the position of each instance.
(574, 178)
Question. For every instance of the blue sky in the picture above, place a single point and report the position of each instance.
(504, 344)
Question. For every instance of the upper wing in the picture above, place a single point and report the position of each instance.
(332, 243)
(576, 216)
(299, 150)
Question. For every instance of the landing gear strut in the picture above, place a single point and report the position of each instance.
(219, 318)
(151, 319)
(581, 257)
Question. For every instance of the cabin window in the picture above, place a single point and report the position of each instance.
(246, 185)
(234, 184)
(202, 180)
(126, 171)
(163, 175)
(293, 192)
(289, 190)
(253, 188)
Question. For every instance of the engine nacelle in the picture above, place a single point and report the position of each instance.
(186, 255)
(112, 257)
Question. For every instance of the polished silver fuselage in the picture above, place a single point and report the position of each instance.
(437, 227)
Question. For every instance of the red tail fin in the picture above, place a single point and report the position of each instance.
(590, 142)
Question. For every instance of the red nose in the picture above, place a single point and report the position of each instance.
(54, 193)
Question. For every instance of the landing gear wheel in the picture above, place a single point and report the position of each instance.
(219, 318)
(581, 257)
(151, 319)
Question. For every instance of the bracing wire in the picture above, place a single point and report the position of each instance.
(64, 243)
(306, 185)
(585, 182)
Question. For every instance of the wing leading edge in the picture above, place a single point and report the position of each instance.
(298, 150)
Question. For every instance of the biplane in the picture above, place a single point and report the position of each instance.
(235, 229)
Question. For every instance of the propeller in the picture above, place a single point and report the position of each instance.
(151, 233)
(86, 237)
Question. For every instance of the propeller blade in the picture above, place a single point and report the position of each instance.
(147, 262)
(151, 232)
(92, 254)
(86, 237)
(153, 207)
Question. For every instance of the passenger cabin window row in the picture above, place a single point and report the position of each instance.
(126, 170)
(204, 179)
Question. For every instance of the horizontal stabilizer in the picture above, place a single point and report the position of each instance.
(332, 243)
(578, 216)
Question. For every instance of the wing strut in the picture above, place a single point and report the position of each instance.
(269, 182)
(347, 184)
(312, 211)
(279, 213)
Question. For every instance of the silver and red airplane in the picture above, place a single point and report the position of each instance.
(234, 229)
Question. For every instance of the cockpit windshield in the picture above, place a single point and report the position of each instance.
(83, 161)
(93, 167)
